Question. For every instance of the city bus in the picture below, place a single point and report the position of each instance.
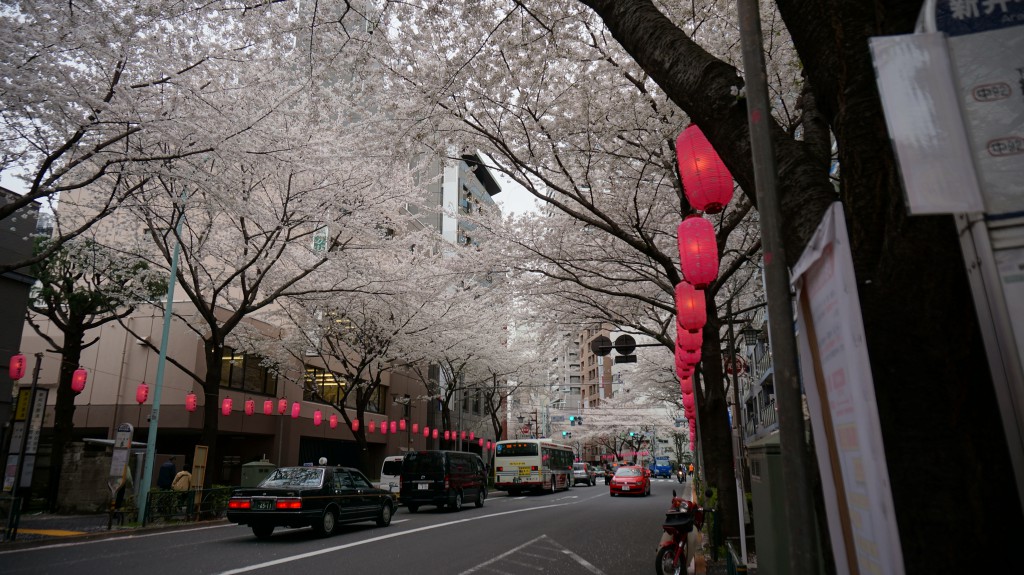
(532, 465)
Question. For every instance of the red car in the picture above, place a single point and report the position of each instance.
(630, 480)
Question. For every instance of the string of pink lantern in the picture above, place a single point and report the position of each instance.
(708, 186)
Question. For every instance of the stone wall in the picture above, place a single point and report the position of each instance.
(83, 486)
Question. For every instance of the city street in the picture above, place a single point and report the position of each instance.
(580, 531)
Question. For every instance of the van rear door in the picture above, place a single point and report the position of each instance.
(423, 472)
(391, 473)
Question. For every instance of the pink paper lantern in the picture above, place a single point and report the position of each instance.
(17, 368)
(415, 428)
(401, 425)
(296, 410)
(686, 385)
(433, 434)
(318, 417)
(333, 421)
(706, 180)
(690, 307)
(463, 435)
(471, 434)
(489, 445)
(383, 428)
(446, 434)
(698, 251)
(686, 339)
(688, 357)
(190, 401)
(141, 393)
(426, 431)
(250, 407)
(355, 425)
(481, 442)
(394, 426)
(225, 406)
(282, 406)
(371, 426)
(78, 380)
(268, 407)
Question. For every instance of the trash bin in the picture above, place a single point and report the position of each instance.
(254, 472)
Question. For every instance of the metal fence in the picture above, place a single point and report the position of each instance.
(184, 506)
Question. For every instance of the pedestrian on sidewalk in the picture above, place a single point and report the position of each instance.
(183, 484)
(166, 474)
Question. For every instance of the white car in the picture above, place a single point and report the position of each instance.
(584, 473)
(391, 474)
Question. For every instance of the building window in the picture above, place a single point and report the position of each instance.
(323, 386)
(246, 372)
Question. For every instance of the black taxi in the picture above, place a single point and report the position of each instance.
(316, 496)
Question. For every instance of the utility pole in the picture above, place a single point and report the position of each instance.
(803, 545)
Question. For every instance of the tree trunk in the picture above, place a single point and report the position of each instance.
(64, 411)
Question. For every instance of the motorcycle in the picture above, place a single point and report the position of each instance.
(673, 551)
(681, 475)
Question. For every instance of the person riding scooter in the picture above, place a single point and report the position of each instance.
(681, 474)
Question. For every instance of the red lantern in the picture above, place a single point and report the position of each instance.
(688, 357)
(355, 425)
(686, 339)
(250, 407)
(141, 393)
(78, 380)
(698, 251)
(481, 442)
(268, 407)
(296, 410)
(17, 367)
(706, 181)
(333, 421)
(371, 427)
(688, 401)
(225, 406)
(463, 435)
(383, 428)
(489, 444)
(415, 428)
(426, 431)
(282, 406)
(686, 385)
(190, 401)
(471, 434)
(318, 418)
(433, 434)
(690, 310)
(394, 426)
(401, 425)
(446, 435)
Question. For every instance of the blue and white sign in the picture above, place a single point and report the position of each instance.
(958, 17)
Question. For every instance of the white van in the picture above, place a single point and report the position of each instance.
(391, 473)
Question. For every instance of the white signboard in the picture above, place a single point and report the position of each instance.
(990, 72)
(835, 367)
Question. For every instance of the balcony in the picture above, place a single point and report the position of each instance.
(760, 415)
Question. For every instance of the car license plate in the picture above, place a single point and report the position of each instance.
(525, 471)
(625, 488)
(423, 486)
(262, 504)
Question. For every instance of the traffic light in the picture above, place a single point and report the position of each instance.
(566, 434)
(572, 420)
(632, 434)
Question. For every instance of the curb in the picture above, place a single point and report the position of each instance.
(114, 533)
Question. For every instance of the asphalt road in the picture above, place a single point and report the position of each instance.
(582, 531)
